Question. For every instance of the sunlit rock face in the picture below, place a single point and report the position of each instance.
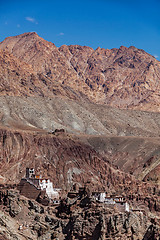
(124, 77)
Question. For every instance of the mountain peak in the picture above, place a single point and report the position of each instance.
(121, 77)
(28, 34)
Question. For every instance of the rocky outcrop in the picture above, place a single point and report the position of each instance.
(136, 155)
(153, 232)
(90, 221)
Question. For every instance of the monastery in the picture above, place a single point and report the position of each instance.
(118, 202)
(33, 186)
(39, 188)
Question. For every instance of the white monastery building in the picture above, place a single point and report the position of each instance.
(39, 183)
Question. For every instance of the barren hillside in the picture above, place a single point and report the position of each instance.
(124, 77)
(84, 116)
(78, 89)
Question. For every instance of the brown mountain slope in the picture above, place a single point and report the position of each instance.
(18, 78)
(43, 56)
(113, 150)
(76, 117)
(119, 77)
(139, 156)
(125, 77)
(65, 160)
(129, 138)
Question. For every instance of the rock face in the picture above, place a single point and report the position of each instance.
(19, 79)
(64, 160)
(22, 218)
(48, 68)
(124, 77)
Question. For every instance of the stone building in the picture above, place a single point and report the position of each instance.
(99, 196)
(33, 185)
(117, 202)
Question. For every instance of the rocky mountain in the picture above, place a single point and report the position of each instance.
(19, 79)
(97, 98)
(124, 77)
(48, 64)
(44, 87)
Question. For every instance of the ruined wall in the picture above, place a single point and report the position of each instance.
(28, 190)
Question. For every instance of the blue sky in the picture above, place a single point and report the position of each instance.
(104, 23)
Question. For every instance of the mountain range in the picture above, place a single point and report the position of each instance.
(124, 77)
(84, 116)
(97, 95)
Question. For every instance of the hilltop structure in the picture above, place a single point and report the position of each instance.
(33, 186)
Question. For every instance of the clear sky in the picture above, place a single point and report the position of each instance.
(104, 23)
